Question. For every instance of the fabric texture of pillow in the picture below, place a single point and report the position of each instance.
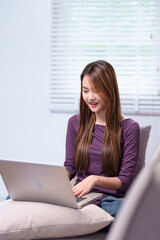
(33, 220)
(144, 136)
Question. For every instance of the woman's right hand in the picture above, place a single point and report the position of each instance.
(84, 186)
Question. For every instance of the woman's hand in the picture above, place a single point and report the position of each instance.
(84, 186)
(87, 184)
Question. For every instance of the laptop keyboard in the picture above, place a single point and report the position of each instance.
(79, 199)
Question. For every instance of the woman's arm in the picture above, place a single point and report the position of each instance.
(69, 175)
(130, 151)
(70, 142)
(87, 184)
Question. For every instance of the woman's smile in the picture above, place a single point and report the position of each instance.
(93, 104)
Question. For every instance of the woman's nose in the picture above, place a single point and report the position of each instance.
(91, 95)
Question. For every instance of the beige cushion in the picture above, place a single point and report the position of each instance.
(144, 136)
(31, 220)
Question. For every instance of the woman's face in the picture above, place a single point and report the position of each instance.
(92, 96)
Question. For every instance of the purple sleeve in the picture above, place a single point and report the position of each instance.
(130, 148)
(70, 142)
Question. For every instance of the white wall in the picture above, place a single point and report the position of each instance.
(28, 131)
(26, 124)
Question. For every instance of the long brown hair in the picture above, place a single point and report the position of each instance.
(104, 78)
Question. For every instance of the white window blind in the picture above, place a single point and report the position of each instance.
(124, 33)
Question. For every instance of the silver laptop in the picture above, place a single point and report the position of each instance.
(41, 183)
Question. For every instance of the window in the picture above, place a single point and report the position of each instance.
(124, 33)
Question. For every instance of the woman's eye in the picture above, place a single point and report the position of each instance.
(85, 91)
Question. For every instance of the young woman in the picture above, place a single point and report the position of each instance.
(101, 145)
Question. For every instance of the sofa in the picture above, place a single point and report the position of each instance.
(139, 217)
(27, 220)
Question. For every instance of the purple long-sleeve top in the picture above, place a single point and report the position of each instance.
(130, 140)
